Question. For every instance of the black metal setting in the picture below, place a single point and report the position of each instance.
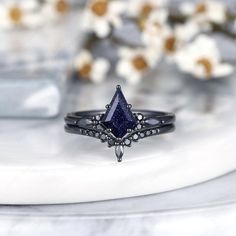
(148, 123)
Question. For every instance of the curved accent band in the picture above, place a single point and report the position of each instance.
(148, 123)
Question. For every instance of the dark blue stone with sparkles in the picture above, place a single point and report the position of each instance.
(118, 116)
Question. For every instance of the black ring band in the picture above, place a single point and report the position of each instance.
(150, 117)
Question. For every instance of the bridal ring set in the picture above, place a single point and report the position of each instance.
(119, 125)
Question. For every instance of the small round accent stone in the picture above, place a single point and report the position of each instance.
(135, 136)
(91, 133)
(111, 142)
(103, 137)
(154, 131)
(127, 142)
(99, 127)
(148, 133)
(140, 116)
(84, 132)
(96, 135)
(142, 135)
(139, 126)
(97, 117)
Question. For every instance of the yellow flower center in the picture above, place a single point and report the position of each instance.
(206, 64)
(170, 44)
(85, 70)
(62, 6)
(99, 7)
(201, 8)
(141, 23)
(146, 10)
(140, 63)
(15, 14)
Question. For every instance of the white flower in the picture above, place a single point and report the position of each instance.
(135, 63)
(92, 69)
(53, 9)
(154, 28)
(19, 13)
(101, 15)
(158, 35)
(174, 40)
(205, 12)
(143, 8)
(202, 59)
(186, 31)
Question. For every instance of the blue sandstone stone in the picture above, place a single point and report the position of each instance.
(118, 116)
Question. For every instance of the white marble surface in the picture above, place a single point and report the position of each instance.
(206, 209)
(213, 221)
(40, 164)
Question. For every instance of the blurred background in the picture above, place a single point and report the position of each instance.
(58, 56)
(48, 45)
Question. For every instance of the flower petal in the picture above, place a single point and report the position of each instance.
(117, 7)
(134, 78)
(100, 69)
(33, 20)
(29, 5)
(125, 52)
(187, 8)
(217, 12)
(186, 31)
(101, 27)
(223, 70)
(124, 68)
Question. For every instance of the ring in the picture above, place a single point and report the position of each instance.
(119, 125)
